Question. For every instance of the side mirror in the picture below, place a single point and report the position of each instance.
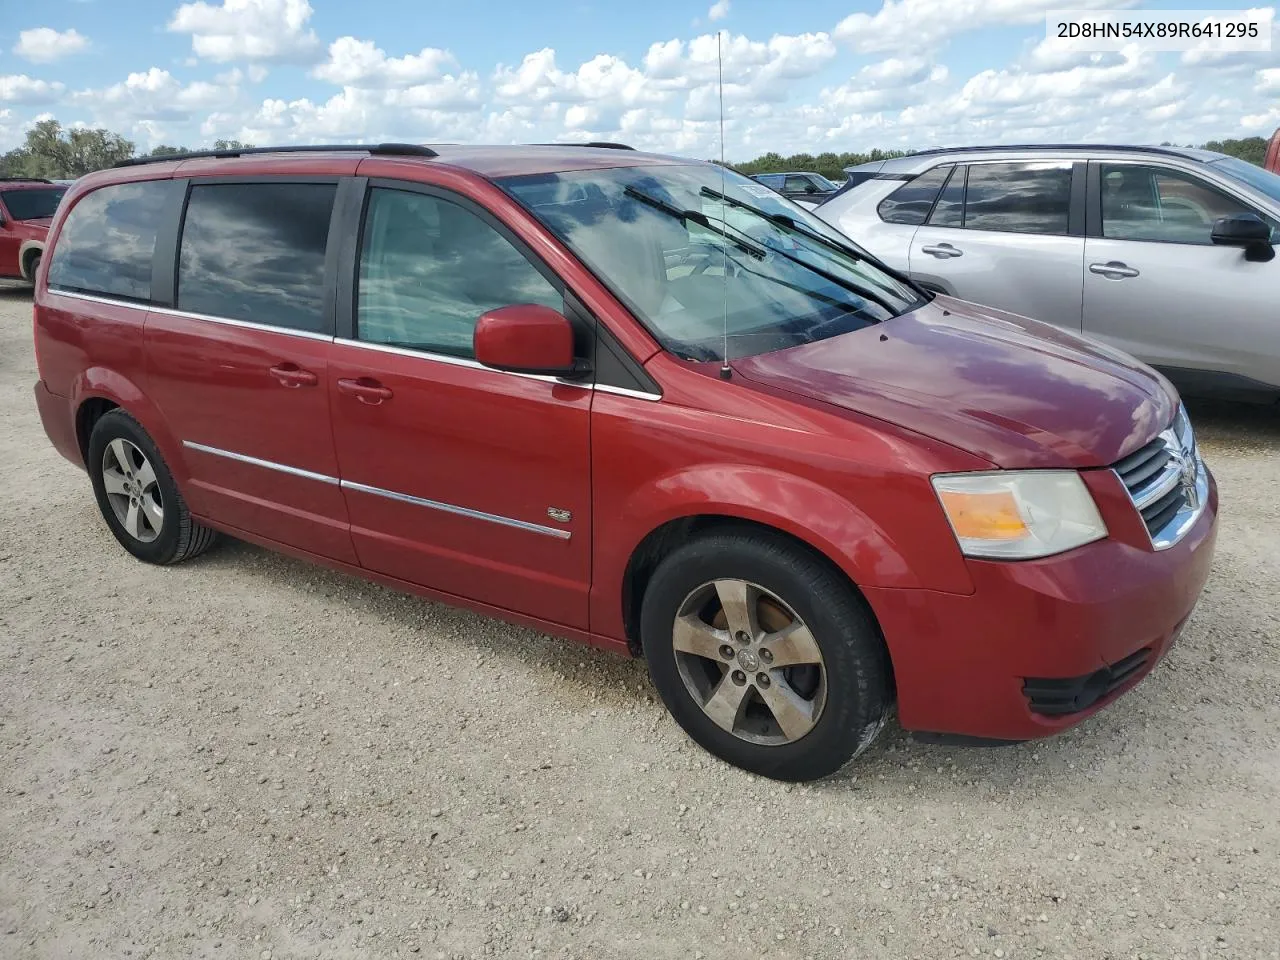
(526, 338)
(1246, 230)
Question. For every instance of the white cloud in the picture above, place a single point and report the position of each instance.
(1269, 81)
(359, 63)
(269, 30)
(719, 10)
(22, 89)
(45, 45)
(910, 25)
(604, 77)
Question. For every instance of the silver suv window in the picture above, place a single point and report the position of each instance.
(910, 203)
(1027, 197)
(1142, 202)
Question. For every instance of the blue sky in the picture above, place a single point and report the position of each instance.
(812, 75)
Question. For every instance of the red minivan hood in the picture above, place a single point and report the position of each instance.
(1013, 391)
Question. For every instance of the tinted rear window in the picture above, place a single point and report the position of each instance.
(32, 204)
(255, 252)
(108, 240)
(1018, 197)
(912, 201)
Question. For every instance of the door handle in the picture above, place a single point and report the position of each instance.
(942, 251)
(366, 390)
(292, 376)
(1113, 270)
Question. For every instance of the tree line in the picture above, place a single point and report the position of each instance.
(55, 153)
(60, 154)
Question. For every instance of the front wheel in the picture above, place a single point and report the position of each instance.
(765, 655)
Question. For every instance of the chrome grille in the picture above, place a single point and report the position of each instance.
(1167, 482)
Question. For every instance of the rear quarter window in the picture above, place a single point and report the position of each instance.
(108, 240)
(911, 202)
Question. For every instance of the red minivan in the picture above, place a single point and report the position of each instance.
(638, 401)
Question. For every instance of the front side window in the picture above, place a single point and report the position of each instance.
(910, 203)
(429, 269)
(687, 246)
(1032, 197)
(35, 204)
(1160, 204)
(1265, 181)
(799, 185)
(108, 240)
(255, 252)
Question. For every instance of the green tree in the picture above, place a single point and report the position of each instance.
(1253, 149)
(164, 150)
(55, 153)
(231, 145)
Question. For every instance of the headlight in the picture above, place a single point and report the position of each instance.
(1012, 515)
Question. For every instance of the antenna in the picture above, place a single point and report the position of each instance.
(725, 371)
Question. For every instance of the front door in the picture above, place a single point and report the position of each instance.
(460, 478)
(1157, 287)
(1001, 235)
(240, 367)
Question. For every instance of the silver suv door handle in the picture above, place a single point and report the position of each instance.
(942, 251)
(1113, 270)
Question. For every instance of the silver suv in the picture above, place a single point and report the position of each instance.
(1166, 253)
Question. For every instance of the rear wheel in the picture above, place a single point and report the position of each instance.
(33, 265)
(137, 494)
(765, 655)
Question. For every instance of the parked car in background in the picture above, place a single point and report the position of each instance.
(26, 208)
(637, 401)
(806, 188)
(1164, 252)
(1272, 160)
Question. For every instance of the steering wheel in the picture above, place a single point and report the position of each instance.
(711, 257)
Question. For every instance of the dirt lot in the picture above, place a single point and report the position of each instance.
(246, 756)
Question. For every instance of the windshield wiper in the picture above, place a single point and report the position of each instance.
(791, 224)
(787, 222)
(701, 219)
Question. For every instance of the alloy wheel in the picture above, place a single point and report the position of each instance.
(750, 662)
(130, 484)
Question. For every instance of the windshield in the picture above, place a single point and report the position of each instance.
(32, 204)
(692, 263)
(823, 182)
(1261, 180)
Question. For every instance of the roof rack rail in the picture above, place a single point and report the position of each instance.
(24, 180)
(1015, 147)
(373, 149)
(601, 144)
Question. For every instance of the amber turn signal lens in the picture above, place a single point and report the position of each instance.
(984, 516)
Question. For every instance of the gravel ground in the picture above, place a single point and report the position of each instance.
(247, 756)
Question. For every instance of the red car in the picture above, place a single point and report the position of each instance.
(637, 401)
(26, 210)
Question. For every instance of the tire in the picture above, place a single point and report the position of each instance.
(830, 721)
(33, 267)
(136, 492)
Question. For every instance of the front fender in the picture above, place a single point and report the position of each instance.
(833, 525)
(107, 384)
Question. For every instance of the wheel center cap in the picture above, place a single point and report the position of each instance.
(748, 661)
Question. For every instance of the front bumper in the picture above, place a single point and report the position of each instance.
(984, 665)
